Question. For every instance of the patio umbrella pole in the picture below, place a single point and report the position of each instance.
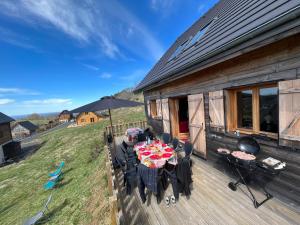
(112, 131)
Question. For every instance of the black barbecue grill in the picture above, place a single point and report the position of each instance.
(245, 164)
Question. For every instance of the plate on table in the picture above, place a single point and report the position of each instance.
(168, 149)
(146, 153)
(155, 157)
(167, 155)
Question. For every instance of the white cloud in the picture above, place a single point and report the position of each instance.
(91, 67)
(159, 5)
(6, 101)
(15, 39)
(17, 91)
(90, 22)
(105, 75)
(50, 101)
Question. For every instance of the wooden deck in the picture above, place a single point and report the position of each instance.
(211, 202)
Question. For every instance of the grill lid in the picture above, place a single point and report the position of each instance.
(248, 144)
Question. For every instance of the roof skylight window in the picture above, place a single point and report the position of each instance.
(178, 50)
(192, 41)
(197, 36)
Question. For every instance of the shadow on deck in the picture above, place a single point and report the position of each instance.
(211, 202)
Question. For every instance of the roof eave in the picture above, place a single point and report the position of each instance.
(288, 16)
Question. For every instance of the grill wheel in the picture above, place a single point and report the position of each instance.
(232, 186)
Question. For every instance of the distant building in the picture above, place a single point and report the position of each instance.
(8, 147)
(89, 117)
(65, 116)
(23, 129)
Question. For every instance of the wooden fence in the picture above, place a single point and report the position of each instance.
(114, 202)
(120, 129)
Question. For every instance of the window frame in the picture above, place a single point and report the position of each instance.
(232, 121)
(152, 112)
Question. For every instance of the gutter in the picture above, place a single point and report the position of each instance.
(287, 16)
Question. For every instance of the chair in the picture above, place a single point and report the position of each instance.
(58, 170)
(166, 137)
(188, 149)
(52, 182)
(184, 175)
(40, 214)
(175, 144)
(128, 167)
(149, 133)
(141, 137)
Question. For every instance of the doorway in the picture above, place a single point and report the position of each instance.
(179, 115)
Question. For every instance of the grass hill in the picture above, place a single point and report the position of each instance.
(129, 95)
(82, 196)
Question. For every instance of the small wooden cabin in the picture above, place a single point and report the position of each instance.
(65, 116)
(8, 148)
(23, 129)
(85, 118)
(236, 70)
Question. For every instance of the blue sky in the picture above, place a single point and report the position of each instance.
(60, 54)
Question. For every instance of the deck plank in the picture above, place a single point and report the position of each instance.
(211, 202)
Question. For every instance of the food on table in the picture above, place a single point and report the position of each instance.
(164, 145)
(155, 156)
(223, 150)
(146, 153)
(243, 155)
(142, 149)
(271, 161)
(168, 150)
(167, 155)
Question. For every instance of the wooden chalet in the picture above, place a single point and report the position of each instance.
(234, 72)
(65, 116)
(8, 148)
(23, 129)
(88, 118)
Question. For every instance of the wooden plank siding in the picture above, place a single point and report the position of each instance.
(276, 62)
(5, 133)
(211, 202)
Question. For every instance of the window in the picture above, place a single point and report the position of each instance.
(268, 109)
(253, 110)
(178, 50)
(197, 36)
(244, 109)
(86, 113)
(153, 108)
(92, 120)
(82, 120)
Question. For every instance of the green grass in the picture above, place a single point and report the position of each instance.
(82, 196)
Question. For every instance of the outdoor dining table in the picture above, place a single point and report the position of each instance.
(156, 154)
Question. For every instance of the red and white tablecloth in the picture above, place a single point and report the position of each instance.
(156, 154)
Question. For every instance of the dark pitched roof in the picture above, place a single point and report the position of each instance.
(28, 125)
(5, 119)
(229, 21)
(65, 112)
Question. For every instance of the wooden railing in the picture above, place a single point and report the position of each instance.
(120, 129)
(114, 202)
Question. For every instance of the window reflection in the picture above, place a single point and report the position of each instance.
(244, 106)
(268, 108)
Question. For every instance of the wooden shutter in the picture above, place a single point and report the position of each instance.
(216, 110)
(148, 109)
(165, 115)
(197, 123)
(158, 107)
(289, 113)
